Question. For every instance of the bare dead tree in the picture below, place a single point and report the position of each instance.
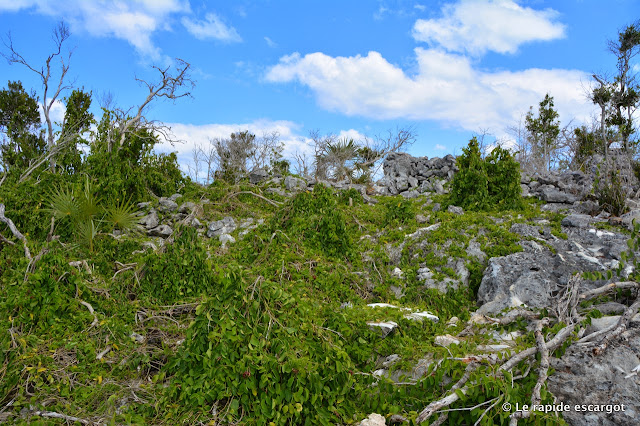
(394, 140)
(171, 85)
(60, 35)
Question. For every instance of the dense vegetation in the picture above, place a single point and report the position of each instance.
(101, 322)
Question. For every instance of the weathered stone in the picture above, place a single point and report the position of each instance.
(577, 221)
(174, 197)
(219, 227)
(257, 176)
(294, 184)
(167, 205)
(187, 207)
(552, 195)
(628, 219)
(151, 220)
(384, 327)
(455, 210)
(605, 380)
(374, 419)
(162, 231)
(226, 238)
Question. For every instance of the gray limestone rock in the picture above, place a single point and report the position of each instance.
(294, 184)
(219, 227)
(257, 176)
(605, 380)
(151, 220)
(162, 231)
(167, 205)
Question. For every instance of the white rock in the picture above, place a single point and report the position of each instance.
(446, 340)
(385, 326)
(419, 316)
(374, 420)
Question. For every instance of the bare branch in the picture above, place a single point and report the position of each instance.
(14, 231)
(169, 86)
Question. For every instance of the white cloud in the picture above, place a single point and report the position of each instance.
(270, 42)
(446, 88)
(193, 135)
(212, 27)
(133, 21)
(440, 147)
(351, 134)
(478, 26)
(56, 114)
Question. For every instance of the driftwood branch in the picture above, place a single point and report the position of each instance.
(608, 288)
(432, 408)
(622, 325)
(14, 231)
(452, 397)
(90, 308)
(54, 415)
(543, 372)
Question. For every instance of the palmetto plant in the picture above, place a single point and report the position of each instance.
(84, 213)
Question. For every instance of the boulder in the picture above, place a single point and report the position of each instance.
(219, 227)
(605, 381)
(551, 194)
(294, 184)
(151, 220)
(162, 231)
(167, 205)
(257, 176)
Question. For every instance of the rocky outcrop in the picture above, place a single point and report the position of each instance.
(403, 172)
(534, 276)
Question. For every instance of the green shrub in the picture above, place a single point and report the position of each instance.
(182, 271)
(486, 183)
(397, 211)
(316, 217)
(256, 352)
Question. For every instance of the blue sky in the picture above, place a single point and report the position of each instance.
(356, 68)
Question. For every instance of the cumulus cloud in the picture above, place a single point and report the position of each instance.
(212, 27)
(192, 135)
(58, 109)
(478, 26)
(446, 88)
(132, 21)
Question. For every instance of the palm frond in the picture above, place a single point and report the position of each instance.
(121, 215)
(63, 204)
(86, 233)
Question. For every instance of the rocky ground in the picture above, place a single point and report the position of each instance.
(521, 267)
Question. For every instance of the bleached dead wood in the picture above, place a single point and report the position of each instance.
(15, 232)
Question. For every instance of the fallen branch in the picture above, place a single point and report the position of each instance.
(90, 308)
(32, 263)
(14, 231)
(103, 353)
(623, 322)
(54, 415)
(432, 408)
(4, 240)
(608, 288)
(272, 202)
(543, 372)
(551, 345)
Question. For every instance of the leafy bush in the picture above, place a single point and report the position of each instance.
(609, 193)
(256, 349)
(180, 272)
(316, 217)
(486, 183)
(397, 211)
